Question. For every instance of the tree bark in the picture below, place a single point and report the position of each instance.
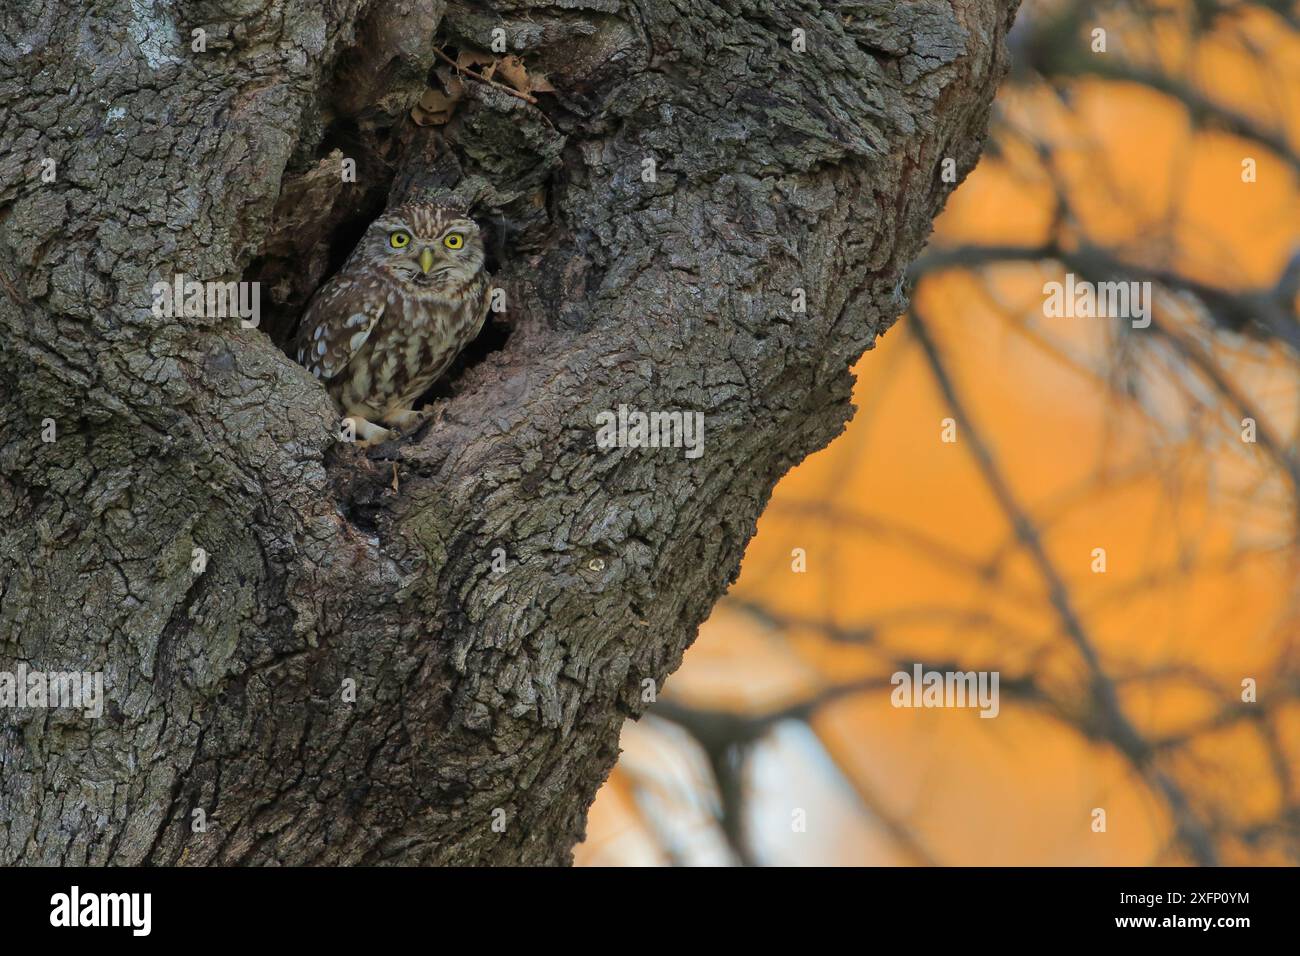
(488, 702)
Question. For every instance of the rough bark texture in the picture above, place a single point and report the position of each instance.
(477, 690)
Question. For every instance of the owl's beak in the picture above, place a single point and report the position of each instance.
(426, 260)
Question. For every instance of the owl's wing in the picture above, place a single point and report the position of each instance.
(335, 326)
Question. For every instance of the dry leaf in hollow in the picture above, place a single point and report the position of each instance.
(514, 72)
(451, 82)
(435, 106)
(469, 60)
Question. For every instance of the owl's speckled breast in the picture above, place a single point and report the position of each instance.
(414, 342)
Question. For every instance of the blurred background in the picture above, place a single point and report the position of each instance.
(1172, 157)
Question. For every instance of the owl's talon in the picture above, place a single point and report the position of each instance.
(407, 420)
(368, 433)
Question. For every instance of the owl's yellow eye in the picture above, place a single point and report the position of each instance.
(453, 240)
(399, 239)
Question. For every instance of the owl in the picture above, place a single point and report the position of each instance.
(412, 294)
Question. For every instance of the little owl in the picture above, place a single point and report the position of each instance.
(412, 294)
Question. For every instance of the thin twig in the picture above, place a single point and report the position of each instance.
(483, 79)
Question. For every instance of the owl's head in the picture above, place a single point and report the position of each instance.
(428, 247)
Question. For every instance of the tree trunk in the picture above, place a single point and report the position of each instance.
(500, 591)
